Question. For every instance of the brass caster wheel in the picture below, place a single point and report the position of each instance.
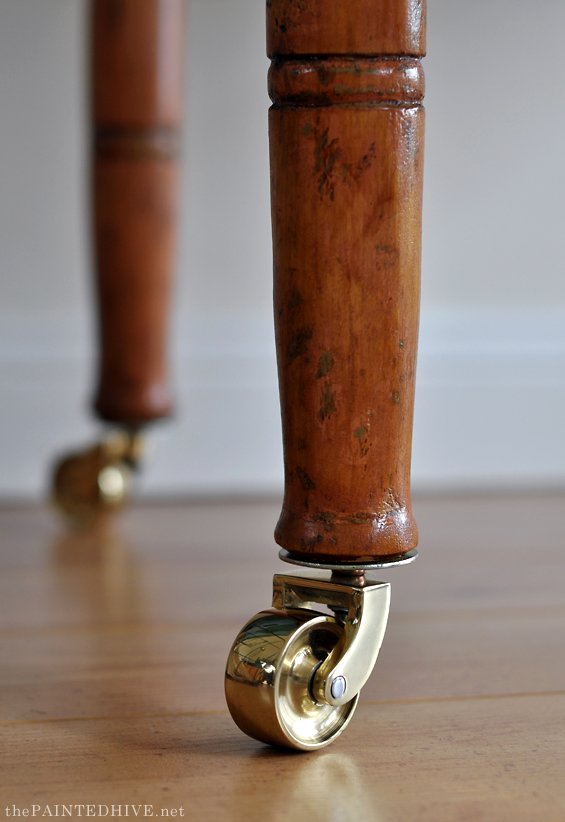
(269, 679)
(294, 674)
(89, 485)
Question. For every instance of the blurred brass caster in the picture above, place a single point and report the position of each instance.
(93, 483)
(294, 673)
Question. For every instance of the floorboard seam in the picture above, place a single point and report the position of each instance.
(420, 700)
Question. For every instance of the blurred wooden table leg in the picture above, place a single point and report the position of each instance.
(136, 112)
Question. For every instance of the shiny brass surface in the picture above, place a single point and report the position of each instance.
(269, 674)
(93, 483)
(390, 561)
(284, 662)
(364, 608)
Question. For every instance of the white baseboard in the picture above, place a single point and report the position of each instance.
(490, 404)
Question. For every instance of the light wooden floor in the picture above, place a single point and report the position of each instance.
(112, 657)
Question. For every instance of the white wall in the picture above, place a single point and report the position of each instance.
(491, 389)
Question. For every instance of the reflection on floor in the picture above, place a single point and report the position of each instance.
(113, 646)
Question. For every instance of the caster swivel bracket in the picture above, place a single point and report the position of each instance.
(363, 609)
(294, 673)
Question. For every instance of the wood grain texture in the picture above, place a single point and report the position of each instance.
(136, 74)
(485, 760)
(346, 137)
(155, 669)
(112, 650)
(391, 27)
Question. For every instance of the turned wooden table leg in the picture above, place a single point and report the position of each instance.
(346, 137)
(136, 104)
(346, 153)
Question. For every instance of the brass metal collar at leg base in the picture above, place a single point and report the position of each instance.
(390, 561)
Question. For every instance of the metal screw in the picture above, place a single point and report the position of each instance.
(355, 576)
(338, 687)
